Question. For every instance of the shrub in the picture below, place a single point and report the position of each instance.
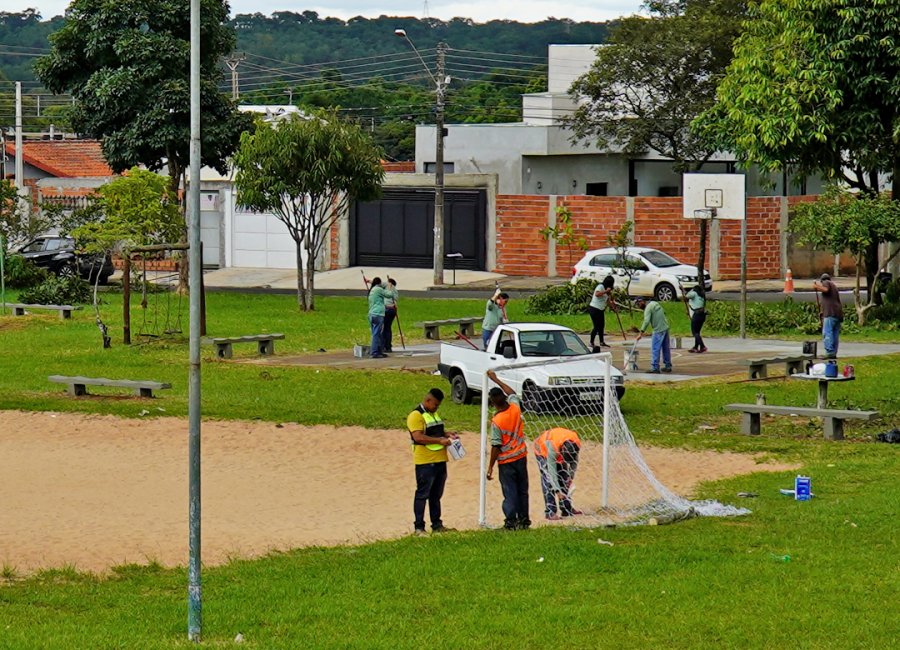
(20, 273)
(58, 291)
(764, 318)
(886, 316)
(562, 298)
(892, 292)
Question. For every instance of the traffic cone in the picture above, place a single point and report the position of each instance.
(789, 282)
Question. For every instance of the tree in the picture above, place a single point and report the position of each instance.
(653, 78)
(126, 64)
(305, 170)
(815, 85)
(137, 209)
(564, 232)
(845, 221)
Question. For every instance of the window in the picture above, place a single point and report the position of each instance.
(55, 244)
(596, 189)
(606, 260)
(35, 246)
(430, 167)
(660, 259)
(551, 343)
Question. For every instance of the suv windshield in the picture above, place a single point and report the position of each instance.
(551, 343)
(659, 259)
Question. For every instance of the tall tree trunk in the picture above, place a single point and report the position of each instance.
(310, 278)
(301, 288)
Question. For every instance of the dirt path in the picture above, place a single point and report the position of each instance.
(100, 491)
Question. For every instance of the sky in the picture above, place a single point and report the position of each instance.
(478, 10)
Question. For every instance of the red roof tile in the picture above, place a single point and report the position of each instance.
(64, 158)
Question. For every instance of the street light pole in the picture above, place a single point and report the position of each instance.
(440, 89)
(439, 168)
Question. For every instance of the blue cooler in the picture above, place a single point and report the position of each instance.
(802, 488)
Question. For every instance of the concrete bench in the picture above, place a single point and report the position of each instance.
(265, 343)
(78, 385)
(65, 311)
(833, 419)
(465, 326)
(757, 368)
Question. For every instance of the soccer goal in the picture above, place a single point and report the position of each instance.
(584, 467)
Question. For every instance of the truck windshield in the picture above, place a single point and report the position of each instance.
(551, 343)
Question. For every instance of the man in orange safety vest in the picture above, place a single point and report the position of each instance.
(556, 451)
(509, 450)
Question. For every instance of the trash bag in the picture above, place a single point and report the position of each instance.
(892, 436)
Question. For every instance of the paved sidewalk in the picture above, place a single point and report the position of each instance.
(421, 280)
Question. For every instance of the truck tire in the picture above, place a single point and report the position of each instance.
(531, 398)
(460, 391)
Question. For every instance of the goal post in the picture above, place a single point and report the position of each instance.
(577, 436)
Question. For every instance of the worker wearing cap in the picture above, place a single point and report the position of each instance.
(832, 314)
(556, 451)
(509, 451)
(429, 445)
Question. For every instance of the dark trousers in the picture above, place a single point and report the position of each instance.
(565, 473)
(697, 320)
(430, 481)
(598, 319)
(514, 483)
(386, 333)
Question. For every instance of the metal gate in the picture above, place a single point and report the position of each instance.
(398, 229)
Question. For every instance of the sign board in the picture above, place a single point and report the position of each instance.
(720, 196)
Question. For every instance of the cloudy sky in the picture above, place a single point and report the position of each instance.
(479, 10)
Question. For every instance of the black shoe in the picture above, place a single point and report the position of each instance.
(379, 356)
(667, 369)
(653, 372)
(595, 349)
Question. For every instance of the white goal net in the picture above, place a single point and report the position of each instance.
(584, 467)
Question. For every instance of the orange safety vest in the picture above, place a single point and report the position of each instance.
(556, 436)
(512, 435)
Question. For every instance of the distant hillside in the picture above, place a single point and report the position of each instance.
(306, 38)
(358, 66)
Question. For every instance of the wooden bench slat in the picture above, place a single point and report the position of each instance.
(247, 339)
(801, 357)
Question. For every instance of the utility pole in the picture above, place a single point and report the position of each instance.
(195, 270)
(440, 96)
(232, 62)
(20, 180)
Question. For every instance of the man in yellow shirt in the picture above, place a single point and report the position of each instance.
(429, 447)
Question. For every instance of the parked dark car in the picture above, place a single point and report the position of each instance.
(58, 255)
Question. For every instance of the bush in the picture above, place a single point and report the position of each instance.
(764, 318)
(892, 292)
(20, 273)
(562, 298)
(886, 316)
(58, 291)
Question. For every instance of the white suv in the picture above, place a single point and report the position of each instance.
(656, 273)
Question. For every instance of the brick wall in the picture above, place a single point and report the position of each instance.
(520, 248)
(658, 223)
(402, 167)
(596, 218)
(763, 241)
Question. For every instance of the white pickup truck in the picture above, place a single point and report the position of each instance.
(570, 383)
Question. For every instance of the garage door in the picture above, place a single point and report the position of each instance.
(260, 240)
(398, 229)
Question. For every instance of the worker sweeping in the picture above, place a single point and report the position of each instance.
(556, 451)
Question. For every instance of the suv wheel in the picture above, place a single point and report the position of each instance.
(67, 271)
(664, 292)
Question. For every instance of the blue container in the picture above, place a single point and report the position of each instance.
(802, 488)
(831, 369)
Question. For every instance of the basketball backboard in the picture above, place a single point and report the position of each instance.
(722, 193)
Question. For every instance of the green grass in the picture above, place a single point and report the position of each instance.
(696, 584)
